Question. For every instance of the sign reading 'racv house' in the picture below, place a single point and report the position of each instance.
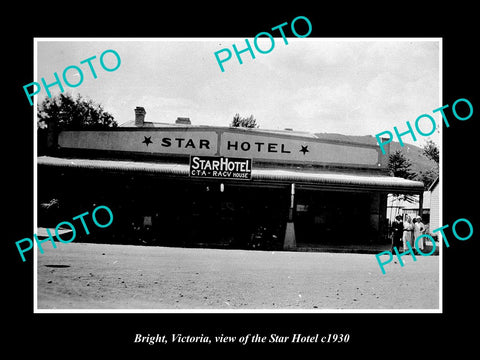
(220, 167)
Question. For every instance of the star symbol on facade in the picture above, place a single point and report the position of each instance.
(304, 149)
(148, 140)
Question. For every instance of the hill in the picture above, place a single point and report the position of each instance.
(415, 155)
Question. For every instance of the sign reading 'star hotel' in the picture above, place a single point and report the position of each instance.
(220, 167)
(227, 143)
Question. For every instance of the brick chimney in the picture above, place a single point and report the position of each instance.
(183, 121)
(139, 116)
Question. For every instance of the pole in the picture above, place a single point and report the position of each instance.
(290, 243)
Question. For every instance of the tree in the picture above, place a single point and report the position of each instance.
(427, 176)
(249, 122)
(399, 165)
(430, 150)
(63, 112)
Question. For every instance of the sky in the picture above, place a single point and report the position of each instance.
(335, 85)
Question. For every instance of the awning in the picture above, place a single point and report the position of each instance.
(115, 165)
(341, 180)
(330, 180)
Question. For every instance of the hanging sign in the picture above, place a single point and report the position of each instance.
(220, 167)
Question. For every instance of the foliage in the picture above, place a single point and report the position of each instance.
(427, 176)
(405, 197)
(53, 203)
(399, 165)
(67, 113)
(430, 150)
(249, 122)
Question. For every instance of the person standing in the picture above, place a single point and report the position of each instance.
(397, 229)
(407, 232)
(419, 229)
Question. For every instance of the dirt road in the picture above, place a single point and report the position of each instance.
(98, 276)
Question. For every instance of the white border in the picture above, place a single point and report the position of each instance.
(233, 311)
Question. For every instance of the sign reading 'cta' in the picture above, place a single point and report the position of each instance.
(220, 167)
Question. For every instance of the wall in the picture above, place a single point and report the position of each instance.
(435, 208)
(261, 146)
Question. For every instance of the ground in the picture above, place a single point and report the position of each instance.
(101, 276)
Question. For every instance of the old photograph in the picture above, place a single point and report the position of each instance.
(271, 174)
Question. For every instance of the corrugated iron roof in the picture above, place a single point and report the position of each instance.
(335, 178)
(315, 178)
(120, 165)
